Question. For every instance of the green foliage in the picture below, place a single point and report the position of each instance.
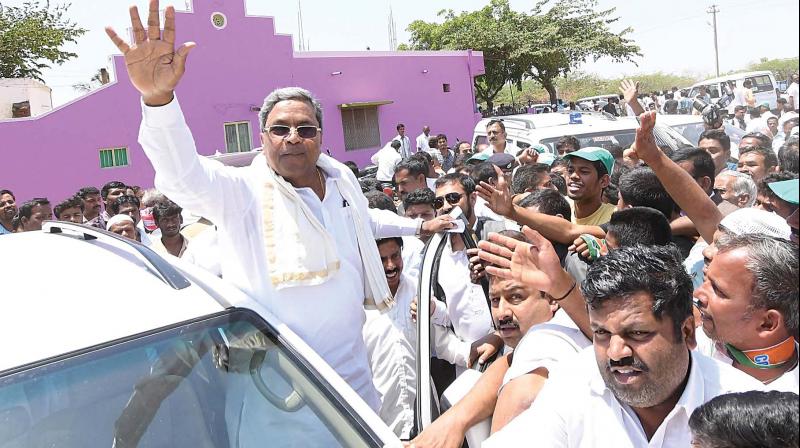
(516, 46)
(781, 68)
(31, 36)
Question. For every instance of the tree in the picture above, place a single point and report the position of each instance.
(781, 68)
(99, 79)
(31, 36)
(567, 35)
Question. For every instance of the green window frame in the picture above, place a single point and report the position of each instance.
(113, 157)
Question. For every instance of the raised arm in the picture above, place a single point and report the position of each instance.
(630, 90)
(679, 184)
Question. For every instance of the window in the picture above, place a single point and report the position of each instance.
(198, 384)
(761, 84)
(360, 125)
(113, 157)
(446, 88)
(237, 137)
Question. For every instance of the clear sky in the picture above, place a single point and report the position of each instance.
(675, 36)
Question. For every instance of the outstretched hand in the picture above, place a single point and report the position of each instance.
(498, 197)
(154, 66)
(645, 147)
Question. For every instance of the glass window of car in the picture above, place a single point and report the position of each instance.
(224, 381)
(762, 83)
(665, 136)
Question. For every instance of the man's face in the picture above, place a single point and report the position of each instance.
(562, 171)
(39, 214)
(778, 206)
(739, 113)
(72, 214)
(763, 109)
(724, 301)
(723, 186)
(424, 211)
(637, 354)
(464, 148)
(516, 307)
(464, 201)
(132, 211)
(583, 182)
(426, 130)
(113, 194)
(772, 124)
(91, 205)
(543, 182)
(170, 225)
(441, 144)
(406, 183)
(392, 262)
(292, 157)
(8, 207)
(749, 141)
(496, 134)
(752, 163)
(125, 229)
(717, 152)
(401, 131)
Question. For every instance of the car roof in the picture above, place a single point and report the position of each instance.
(68, 293)
(523, 122)
(675, 120)
(597, 97)
(732, 77)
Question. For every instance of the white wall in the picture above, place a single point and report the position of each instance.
(18, 90)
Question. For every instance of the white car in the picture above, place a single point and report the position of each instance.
(591, 129)
(106, 344)
(691, 127)
(763, 86)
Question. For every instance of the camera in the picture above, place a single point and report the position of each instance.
(712, 113)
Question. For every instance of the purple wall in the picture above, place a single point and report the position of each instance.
(228, 75)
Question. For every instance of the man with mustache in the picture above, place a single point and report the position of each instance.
(169, 220)
(642, 381)
(8, 209)
(92, 208)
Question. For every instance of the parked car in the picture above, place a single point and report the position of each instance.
(764, 85)
(591, 129)
(691, 126)
(105, 343)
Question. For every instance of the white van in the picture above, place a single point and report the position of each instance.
(764, 85)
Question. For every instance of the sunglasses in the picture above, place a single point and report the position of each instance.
(451, 198)
(283, 131)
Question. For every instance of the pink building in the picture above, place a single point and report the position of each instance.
(239, 59)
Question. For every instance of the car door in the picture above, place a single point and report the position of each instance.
(226, 380)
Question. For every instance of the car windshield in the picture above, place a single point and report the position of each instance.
(225, 381)
(664, 135)
(690, 131)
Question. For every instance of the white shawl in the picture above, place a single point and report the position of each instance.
(300, 250)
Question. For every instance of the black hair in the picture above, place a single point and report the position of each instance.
(466, 182)
(497, 122)
(401, 125)
(616, 151)
(773, 264)
(110, 186)
(655, 270)
(369, 184)
(26, 209)
(396, 239)
(568, 140)
(483, 172)
(165, 209)
(559, 182)
(611, 194)
(415, 165)
(763, 184)
(379, 200)
(718, 135)
(752, 419)
(702, 162)
(640, 187)
(441, 136)
(70, 202)
(766, 141)
(549, 202)
(420, 196)
(396, 144)
(124, 199)
(527, 177)
(2, 192)
(559, 161)
(353, 167)
(640, 225)
(770, 159)
(788, 157)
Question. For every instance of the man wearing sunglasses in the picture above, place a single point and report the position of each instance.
(294, 229)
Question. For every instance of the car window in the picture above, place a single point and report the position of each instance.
(480, 140)
(225, 381)
(690, 131)
(762, 84)
(622, 138)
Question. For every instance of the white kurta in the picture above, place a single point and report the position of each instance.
(328, 317)
(576, 409)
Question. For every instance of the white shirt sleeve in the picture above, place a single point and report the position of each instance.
(195, 182)
(450, 347)
(440, 315)
(386, 224)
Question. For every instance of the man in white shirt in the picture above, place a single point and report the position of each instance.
(405, 142)
(387, 159)
(793, 93)
(391, 340)
(640, 383)
(496, 132)
(748, 306)
(422, 139)
(289, 200)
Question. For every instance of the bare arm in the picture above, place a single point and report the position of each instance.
(517, 396)
(683, 226)
(678, 183)
(553, 228)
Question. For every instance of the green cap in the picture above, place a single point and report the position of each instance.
(765, 104)
(786, 190)
(594, 154)
(540, 148)
(478, 157)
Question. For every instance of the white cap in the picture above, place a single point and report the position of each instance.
(116, 219)
(746, 221)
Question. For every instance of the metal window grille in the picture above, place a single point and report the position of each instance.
(361, 128)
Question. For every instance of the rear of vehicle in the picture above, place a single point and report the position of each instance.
(156, 356)
(763, 86)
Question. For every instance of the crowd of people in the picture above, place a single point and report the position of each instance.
(646, 297)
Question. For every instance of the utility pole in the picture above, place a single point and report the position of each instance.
(392, 31)
(713, 10)
(301, 43)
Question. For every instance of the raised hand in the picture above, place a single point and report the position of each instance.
(630, 90)
(498, 197)
(645, 147)
(154, 66)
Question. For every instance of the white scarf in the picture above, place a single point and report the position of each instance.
(300, 250)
